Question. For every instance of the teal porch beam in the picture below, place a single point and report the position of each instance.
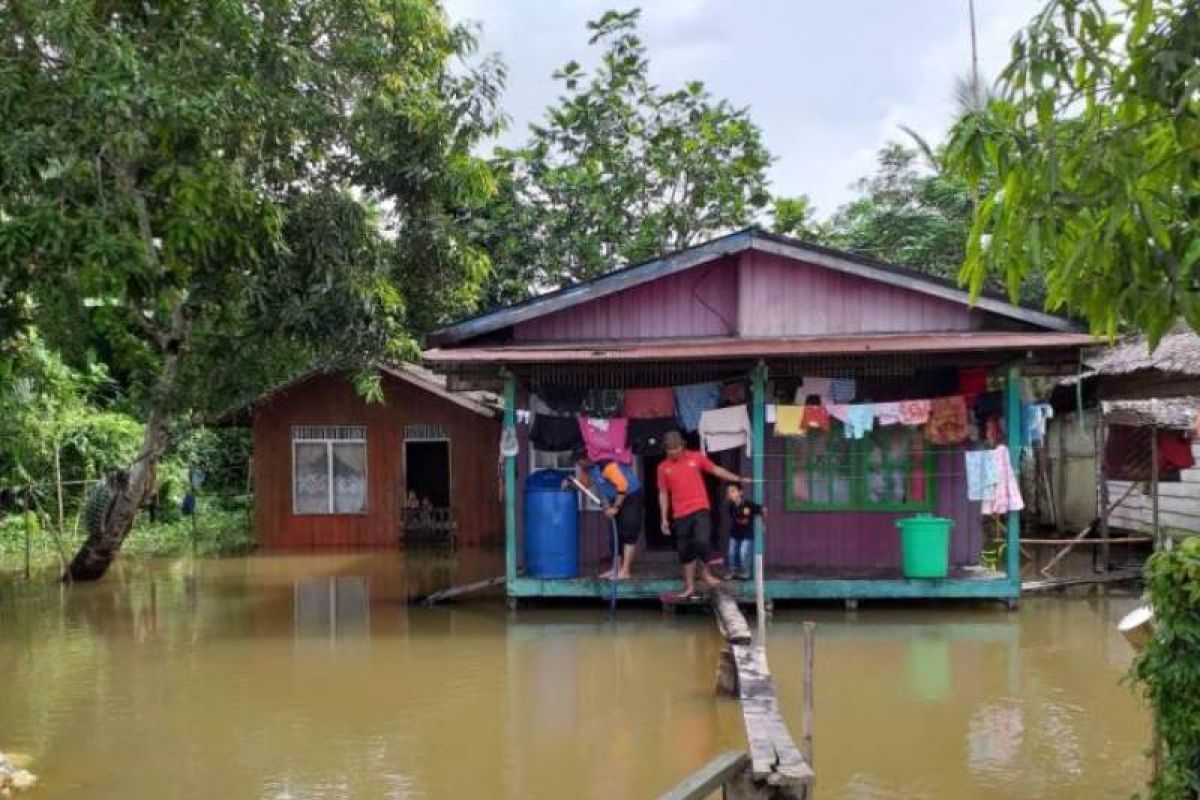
(1013, 424)
(998, 588)
(510, 484)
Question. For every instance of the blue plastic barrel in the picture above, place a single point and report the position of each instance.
(551, 526)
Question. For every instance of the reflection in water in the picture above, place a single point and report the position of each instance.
(308, 676)
(336, 606)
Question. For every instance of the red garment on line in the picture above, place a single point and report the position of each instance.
(650, 403)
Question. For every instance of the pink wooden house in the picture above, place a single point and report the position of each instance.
(769, 312)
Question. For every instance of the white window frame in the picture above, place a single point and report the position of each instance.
(329, 435)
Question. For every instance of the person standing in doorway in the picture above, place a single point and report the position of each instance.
(683, 498)
(618, 486)
(741, 530)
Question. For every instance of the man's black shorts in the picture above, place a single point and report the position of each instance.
(630, 519)
(692, 536)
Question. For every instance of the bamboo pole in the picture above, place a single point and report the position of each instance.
(1154, 487)
(760, 604)
(1102, 487)
(807, 723)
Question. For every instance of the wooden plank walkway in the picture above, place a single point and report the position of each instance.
(777, 767)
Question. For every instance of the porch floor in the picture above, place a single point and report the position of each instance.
(655, 574)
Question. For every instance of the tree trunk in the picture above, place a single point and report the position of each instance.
(129, 490)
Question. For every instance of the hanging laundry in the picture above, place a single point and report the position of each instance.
(726, 429)
(1007, 496)
(650, 403)
(561, 399)
(646, 435)
(734, 394)
(860, 419)
(987, 405)
(509, 444)
(770, 412)
(1174, 452)
(914, 412)
(838, 411)
(555, 434)
(606, 439)
(789, 421)
(1033, 423)
(887, 414)
(814, 418)
(981, 475)
(604, 403)
(693, 400)
(524, 416)
(843, 390)
(947, 421)
(809, 387)
(972, 380)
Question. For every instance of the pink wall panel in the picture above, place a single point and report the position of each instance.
(867, 539)
(782, 297)
(702, 301)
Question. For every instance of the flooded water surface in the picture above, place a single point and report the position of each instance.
(310, 677)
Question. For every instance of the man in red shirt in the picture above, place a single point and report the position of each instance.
(681, 491)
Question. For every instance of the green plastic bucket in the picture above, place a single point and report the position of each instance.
(925, 545)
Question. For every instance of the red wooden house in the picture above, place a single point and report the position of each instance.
(331, 469)
(769, 312)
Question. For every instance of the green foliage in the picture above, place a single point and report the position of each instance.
(1088, 164)
(619, 171)
(1168, 670)
(795, 217)
(169, 191)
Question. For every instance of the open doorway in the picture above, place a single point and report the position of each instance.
(427, 473)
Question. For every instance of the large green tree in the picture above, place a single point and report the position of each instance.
(201, 183)
(1088, 163)
(619, 170)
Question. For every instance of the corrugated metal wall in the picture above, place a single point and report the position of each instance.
(699, 302)
(782, 297)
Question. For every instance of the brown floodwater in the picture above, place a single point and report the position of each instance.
(308, 676)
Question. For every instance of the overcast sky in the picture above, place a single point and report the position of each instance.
(828, 81)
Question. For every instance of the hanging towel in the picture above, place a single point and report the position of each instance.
(1033, 419)
(788, 421)
(646, 435)
(814, 418)
(693, 400)
(821, 387)
(839, 411)
(947, 421)
(972, 380)
(1007, 496)
(726, 429)
(981, 475)
(555, 434)
(887, 413)
(914, 412)
(771, 414)
(842, 390)
(650, 403)
(860, 419)
(509, 444)
(606, 439)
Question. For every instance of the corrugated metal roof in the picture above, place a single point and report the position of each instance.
(751, 238)
(730, 348)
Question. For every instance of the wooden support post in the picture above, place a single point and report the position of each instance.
(760, 601)
(758, 422)
(806, 732)
(510, 482)
(1102, 486)
(727, 684)
(1012, 421)
(1155, 530)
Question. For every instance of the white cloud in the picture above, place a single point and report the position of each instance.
(829, 83)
